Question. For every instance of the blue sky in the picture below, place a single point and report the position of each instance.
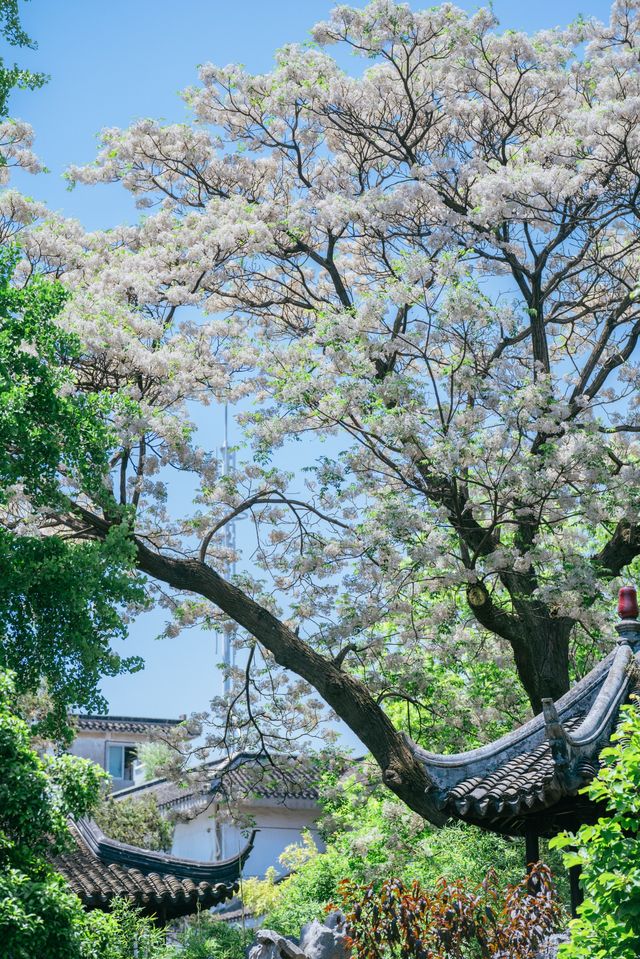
(111, 63)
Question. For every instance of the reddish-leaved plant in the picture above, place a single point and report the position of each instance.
(452, 921)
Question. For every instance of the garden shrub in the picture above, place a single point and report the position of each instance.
(377, 837)
(123, 933)
(39, 916)
(608, 922)
(452, 920)
(261, 896)
(305, 894)
(138, 822)
(207, 937)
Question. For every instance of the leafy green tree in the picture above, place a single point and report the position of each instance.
(60, 610)
(48, 428)
(136, 821)
(61, 601)
(38, 915)
(306, 894)
(371, 838)
(40, 918)
(435, 274)
(377, 837)
(608, 923)
(155, 758)
(261, 896)
(12, 76)
(456, 703)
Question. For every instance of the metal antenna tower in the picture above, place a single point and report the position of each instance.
(228, 460)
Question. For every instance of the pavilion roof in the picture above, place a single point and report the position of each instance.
(530, 779)
(99, 869)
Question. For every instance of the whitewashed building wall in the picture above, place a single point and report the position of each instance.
(211, 836)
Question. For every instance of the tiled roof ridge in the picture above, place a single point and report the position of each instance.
(445, 769)
(89, 720)
(531, 778)
(160, 892)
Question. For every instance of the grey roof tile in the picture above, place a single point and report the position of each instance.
(160, 885)
(121, 724)
(294, 777)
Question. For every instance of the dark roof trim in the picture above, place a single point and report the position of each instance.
(146, 861)
(530, 779)
(162, 895)
(612, 693)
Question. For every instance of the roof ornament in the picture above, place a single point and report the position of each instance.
(628, 628)
(556, 734)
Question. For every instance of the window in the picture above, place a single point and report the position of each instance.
(120, 760)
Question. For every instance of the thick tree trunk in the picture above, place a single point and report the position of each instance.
(542, 661)
(540, 641)
(540, 649)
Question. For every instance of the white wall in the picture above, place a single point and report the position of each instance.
(279, 826)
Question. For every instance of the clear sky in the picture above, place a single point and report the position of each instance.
(111, 63)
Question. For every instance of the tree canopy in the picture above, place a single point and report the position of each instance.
(61, 602)
(417, 280)
(16, 137)
(13, 76)
(38, 915)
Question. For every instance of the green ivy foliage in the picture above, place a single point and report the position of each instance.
(608, 923)
(39, 916)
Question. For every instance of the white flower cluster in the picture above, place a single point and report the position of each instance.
(428, 273)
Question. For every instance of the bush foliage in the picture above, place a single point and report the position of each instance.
(38, 914)
(135, 821)
(452, 920)
(608, 922)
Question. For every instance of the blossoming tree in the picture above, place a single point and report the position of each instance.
(430, 265)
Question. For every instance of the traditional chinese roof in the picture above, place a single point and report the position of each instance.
(243, 777)
(529, 780)
(100, 869)
(121, 724)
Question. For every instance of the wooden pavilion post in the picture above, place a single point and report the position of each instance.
(577, 895)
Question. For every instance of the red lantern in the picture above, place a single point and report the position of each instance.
(628, 603)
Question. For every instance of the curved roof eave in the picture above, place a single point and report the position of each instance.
(596, 699)
(148, 861)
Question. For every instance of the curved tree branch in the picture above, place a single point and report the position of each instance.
(345, 694)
